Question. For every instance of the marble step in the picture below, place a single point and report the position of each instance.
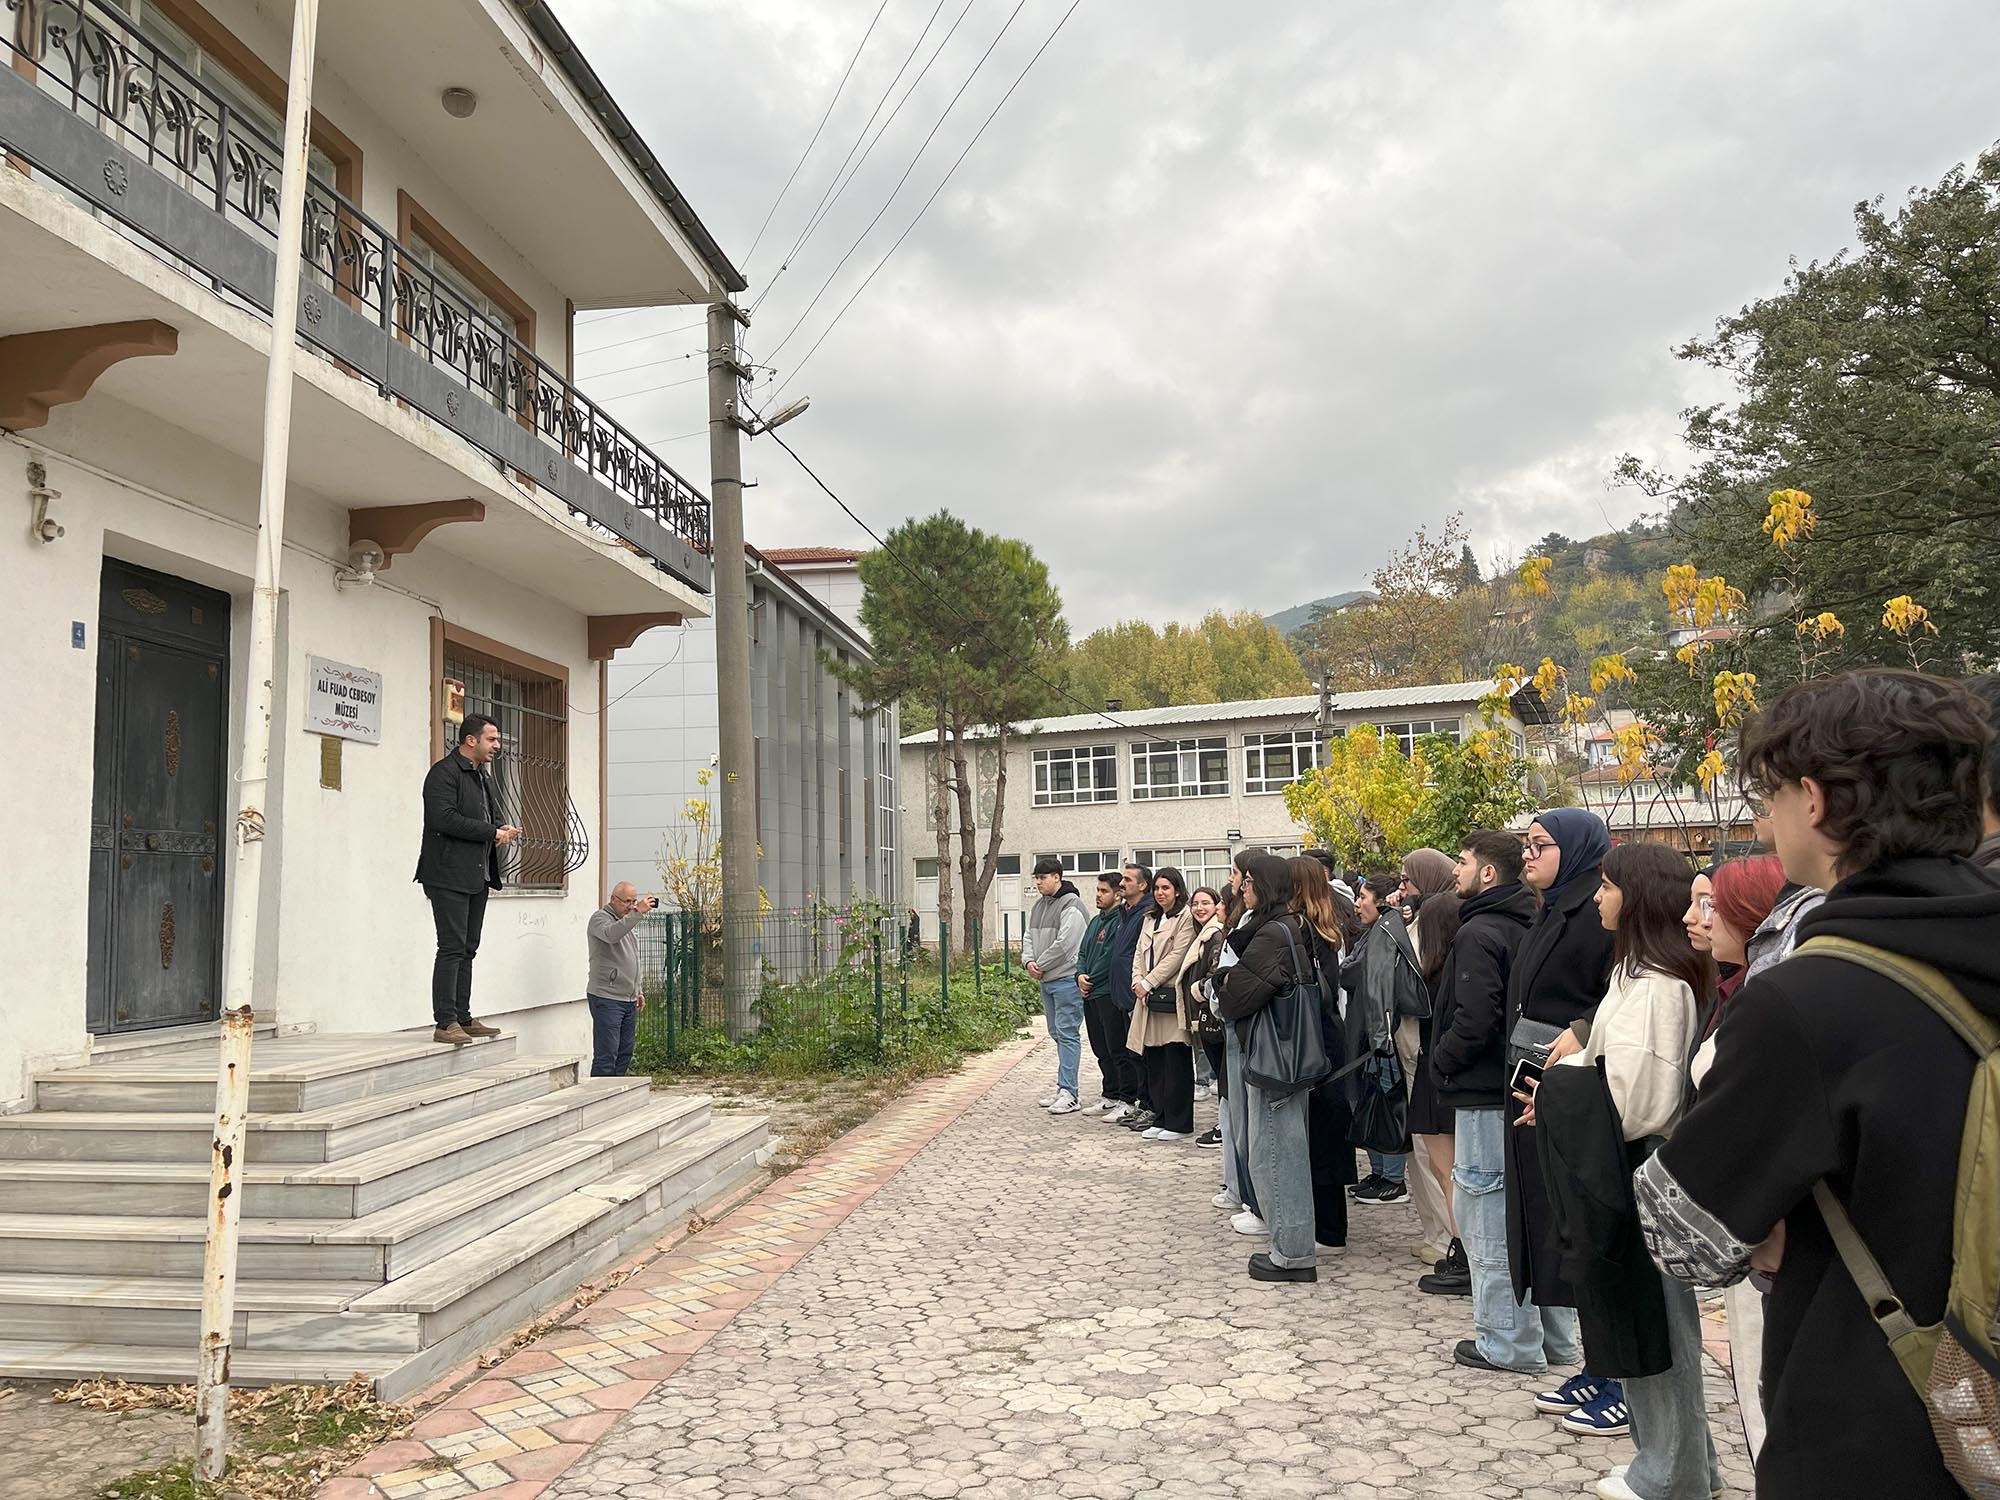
(166, 1311)
(58, 1360)
(388, 1243)
(288, 1074)
(352, 1187)
(327, 1134)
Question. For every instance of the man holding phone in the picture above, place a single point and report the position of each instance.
(1468, 1063)
(613, 993)
(458, 867)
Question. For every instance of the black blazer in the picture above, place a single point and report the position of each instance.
(458, 852)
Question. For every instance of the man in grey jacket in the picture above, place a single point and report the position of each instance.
(1048, 950)
(614, 995)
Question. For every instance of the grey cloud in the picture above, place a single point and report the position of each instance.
(1230, 298)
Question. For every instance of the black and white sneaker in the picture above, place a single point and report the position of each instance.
(1367, 1186)
(1211, 1137)
(1386, 1192)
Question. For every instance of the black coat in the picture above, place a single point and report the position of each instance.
(458, 852)
(1587, 1163)
(1561, 972)
(1125, 948)
(1263, 969)
(1468, 1054)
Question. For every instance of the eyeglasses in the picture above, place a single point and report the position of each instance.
(1706, 906)
(1536, 848)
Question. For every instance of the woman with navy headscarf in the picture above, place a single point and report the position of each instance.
(1560, 974)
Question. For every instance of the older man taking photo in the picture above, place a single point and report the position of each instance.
(613, 993)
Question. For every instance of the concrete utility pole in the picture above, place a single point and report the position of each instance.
(1324, 723)
(232, 1081)
(726, 424)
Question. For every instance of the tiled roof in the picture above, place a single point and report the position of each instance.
(784, 555)
(1301, 707)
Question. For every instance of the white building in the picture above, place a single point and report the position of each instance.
(825, 773)
(1187, 786)
(520, 535)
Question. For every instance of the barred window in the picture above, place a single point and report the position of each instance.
(529, 700)
(1272, 762)
(1180, 768)
(1082, 773)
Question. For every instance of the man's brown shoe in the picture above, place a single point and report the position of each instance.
(452, 1033)
(478, 1028)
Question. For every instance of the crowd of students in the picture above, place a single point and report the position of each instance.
(1605, 1079)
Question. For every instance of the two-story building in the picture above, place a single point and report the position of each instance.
(465, 531)
(825, 773)
(1186, 786)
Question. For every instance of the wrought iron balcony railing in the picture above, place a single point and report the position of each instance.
(93, 103)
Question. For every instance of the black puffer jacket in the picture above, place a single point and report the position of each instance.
(1469, 1030)
(1263, 969)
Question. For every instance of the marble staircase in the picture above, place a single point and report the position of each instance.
(405, 1204)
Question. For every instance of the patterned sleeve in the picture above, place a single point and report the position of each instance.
(1760, 1134)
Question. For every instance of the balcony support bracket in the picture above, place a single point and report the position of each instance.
(612, 633)
(40, 371)
(397, 529)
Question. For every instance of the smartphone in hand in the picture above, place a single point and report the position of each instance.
(1527, 1073)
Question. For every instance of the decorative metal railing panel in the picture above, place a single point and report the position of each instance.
(88, 97)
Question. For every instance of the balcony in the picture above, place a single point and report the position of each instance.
(98, 108)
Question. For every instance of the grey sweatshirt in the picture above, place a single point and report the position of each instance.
(1055, 933)
(614, 954)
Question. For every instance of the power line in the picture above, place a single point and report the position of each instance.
(816, 132)
(942, 598)
(640, 338)
(645, 364)
(896, 191)
(835, 186)
(648, 390)
(927, 203)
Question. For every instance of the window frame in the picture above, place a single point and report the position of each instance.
(1408, 732)
(1071, 861)
(1260, 743)
(1198, 746)
(1100, 759)
(1209, 873)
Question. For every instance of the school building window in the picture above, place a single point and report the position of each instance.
(1180, 768)
(1207, 866)
(1272, 762)
(1082, 773)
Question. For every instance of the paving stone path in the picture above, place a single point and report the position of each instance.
(966, 1297)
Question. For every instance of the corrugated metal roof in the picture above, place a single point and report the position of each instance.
(1303, 706)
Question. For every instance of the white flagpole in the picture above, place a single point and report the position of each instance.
(232, 1082)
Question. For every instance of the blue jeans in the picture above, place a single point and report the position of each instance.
(1676, 1454)
(613, 1026)
(1062, 1008)
(1514, 1335)
(1235, 1122)
(1281, 1168)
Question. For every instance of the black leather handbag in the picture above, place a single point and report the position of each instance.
(1286, 1052)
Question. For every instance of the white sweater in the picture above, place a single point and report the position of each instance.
(1643, 1031)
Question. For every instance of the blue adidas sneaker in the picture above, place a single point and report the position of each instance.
(1606, 1415)
(1573, 1394)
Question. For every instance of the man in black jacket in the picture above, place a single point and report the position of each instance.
(1826, 1071)
(458, 866)
(1136, 887)
(1468, 1063)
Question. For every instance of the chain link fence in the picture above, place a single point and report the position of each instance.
(834, 989)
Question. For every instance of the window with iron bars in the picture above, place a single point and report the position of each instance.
(530, 776)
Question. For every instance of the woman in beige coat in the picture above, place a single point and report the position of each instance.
(1156, 1033)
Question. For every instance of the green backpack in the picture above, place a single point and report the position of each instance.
(1953, 1364)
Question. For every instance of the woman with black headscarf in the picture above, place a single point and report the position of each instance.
(1270, 954)
(1559, 976)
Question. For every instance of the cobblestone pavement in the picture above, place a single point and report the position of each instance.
(1038, 1307)
(51, 1450)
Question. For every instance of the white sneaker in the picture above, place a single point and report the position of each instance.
(1104, 1101)
(1203, 1091)
(1169, 1135)
(1249, 1223)
(1228, 1202)
(1613, 1486)
(1151, 1133)
(1045, 1101)
(1116, 1113)
(1319, 1249)
(1064, 1103)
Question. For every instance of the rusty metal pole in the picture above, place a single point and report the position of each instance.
(232, 1079)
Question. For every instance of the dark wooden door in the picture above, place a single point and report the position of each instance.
(157, 801)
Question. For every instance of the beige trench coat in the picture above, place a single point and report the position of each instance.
(1161, 954)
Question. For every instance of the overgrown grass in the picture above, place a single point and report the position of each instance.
(828, 1024)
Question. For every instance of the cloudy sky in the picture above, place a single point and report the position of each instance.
(1229, 298)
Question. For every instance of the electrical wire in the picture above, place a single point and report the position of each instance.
(836, 187)
(641, 338)
(828, 330)
(944, 599)
(679, 641)
(648, 390)
(754, 243)
(896, 191)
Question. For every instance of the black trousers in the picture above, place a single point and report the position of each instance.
(1170, 1085)
(1104, 1023)
(1218, 1065)
(1328, 1119)
(459, 918)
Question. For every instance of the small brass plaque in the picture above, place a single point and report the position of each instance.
(329, 762)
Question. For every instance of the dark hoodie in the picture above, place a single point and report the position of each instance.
(1823, 1069)
(1468, 1056)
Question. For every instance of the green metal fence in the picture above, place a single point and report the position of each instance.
(834, 988)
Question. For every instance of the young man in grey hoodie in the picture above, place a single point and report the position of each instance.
(1048, 950)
